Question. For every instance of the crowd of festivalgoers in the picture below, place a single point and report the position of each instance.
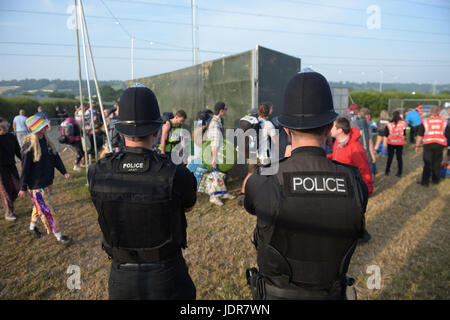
(351, 141)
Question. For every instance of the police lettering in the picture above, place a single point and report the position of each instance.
(128, 165)
(320, 184)
(317, 184)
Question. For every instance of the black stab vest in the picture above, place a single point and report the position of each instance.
(309, 241)
(141, 220)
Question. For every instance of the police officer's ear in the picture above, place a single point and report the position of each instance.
(328, 129)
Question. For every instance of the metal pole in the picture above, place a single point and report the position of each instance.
(132, 58)
(255, 76)
(194, 32)
(381, 80)
(80, 89)
(108, 139)
(87, 78)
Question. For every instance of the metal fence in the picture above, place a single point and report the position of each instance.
(403, 104)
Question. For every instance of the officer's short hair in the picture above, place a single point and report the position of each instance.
(218, 106)
(314, 131)
(136, 139)
(344, 124)
(264, 109)
(180, 113)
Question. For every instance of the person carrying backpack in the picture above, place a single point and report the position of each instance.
(360, 122)
(170, 133)
(381, 125)
(265, 133)
(71, 135)
(166, 116)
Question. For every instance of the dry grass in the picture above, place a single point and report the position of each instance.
(409, 227)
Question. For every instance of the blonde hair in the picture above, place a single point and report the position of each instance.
(384, 115)
(31, 142)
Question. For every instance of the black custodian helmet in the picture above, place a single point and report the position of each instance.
(139, 114)
(308, 102)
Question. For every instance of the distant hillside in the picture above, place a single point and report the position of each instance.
(71, 86)
(67, 86)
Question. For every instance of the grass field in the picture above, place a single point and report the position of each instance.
(409, 225)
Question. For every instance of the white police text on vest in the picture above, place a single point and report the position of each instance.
(316, 184)
(132, 166)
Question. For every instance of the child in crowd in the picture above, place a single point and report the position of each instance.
(39, 158)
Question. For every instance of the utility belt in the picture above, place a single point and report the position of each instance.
(140, 266)
(142, 255)
(261, 289)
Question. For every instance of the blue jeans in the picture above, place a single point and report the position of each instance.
(373, 168)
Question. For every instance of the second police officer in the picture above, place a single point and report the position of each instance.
(141, 198)
(312, 212)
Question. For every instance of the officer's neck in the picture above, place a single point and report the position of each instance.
(307, 140)
(146, 143)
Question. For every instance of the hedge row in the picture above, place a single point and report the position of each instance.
(9, 107)
(377, 101)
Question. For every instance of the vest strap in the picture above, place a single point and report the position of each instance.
(142, 255)
(301, 293)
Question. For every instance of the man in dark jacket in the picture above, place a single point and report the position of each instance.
(141, 198)
(311, 213)
(9, 177)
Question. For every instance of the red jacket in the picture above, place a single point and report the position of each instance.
(353, 153)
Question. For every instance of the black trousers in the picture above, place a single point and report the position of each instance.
(79, 149)
(398, 150)
(166, 281)
(413, 133)
(432, 158)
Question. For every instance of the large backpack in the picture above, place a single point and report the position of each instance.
(116, 139)
(250, 121)
(205, 117)
(165, 117)
(363, 127)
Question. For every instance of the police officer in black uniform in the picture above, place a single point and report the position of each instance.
(141, 198)
(311, 213)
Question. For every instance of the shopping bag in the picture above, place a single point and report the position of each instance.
(216, 183)
(202, 186)
(197, 168)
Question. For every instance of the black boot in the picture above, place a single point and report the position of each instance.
(35, 232)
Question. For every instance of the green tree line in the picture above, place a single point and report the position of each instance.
(377, 101)
(9, 107)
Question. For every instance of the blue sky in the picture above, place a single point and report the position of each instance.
(411, 45)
